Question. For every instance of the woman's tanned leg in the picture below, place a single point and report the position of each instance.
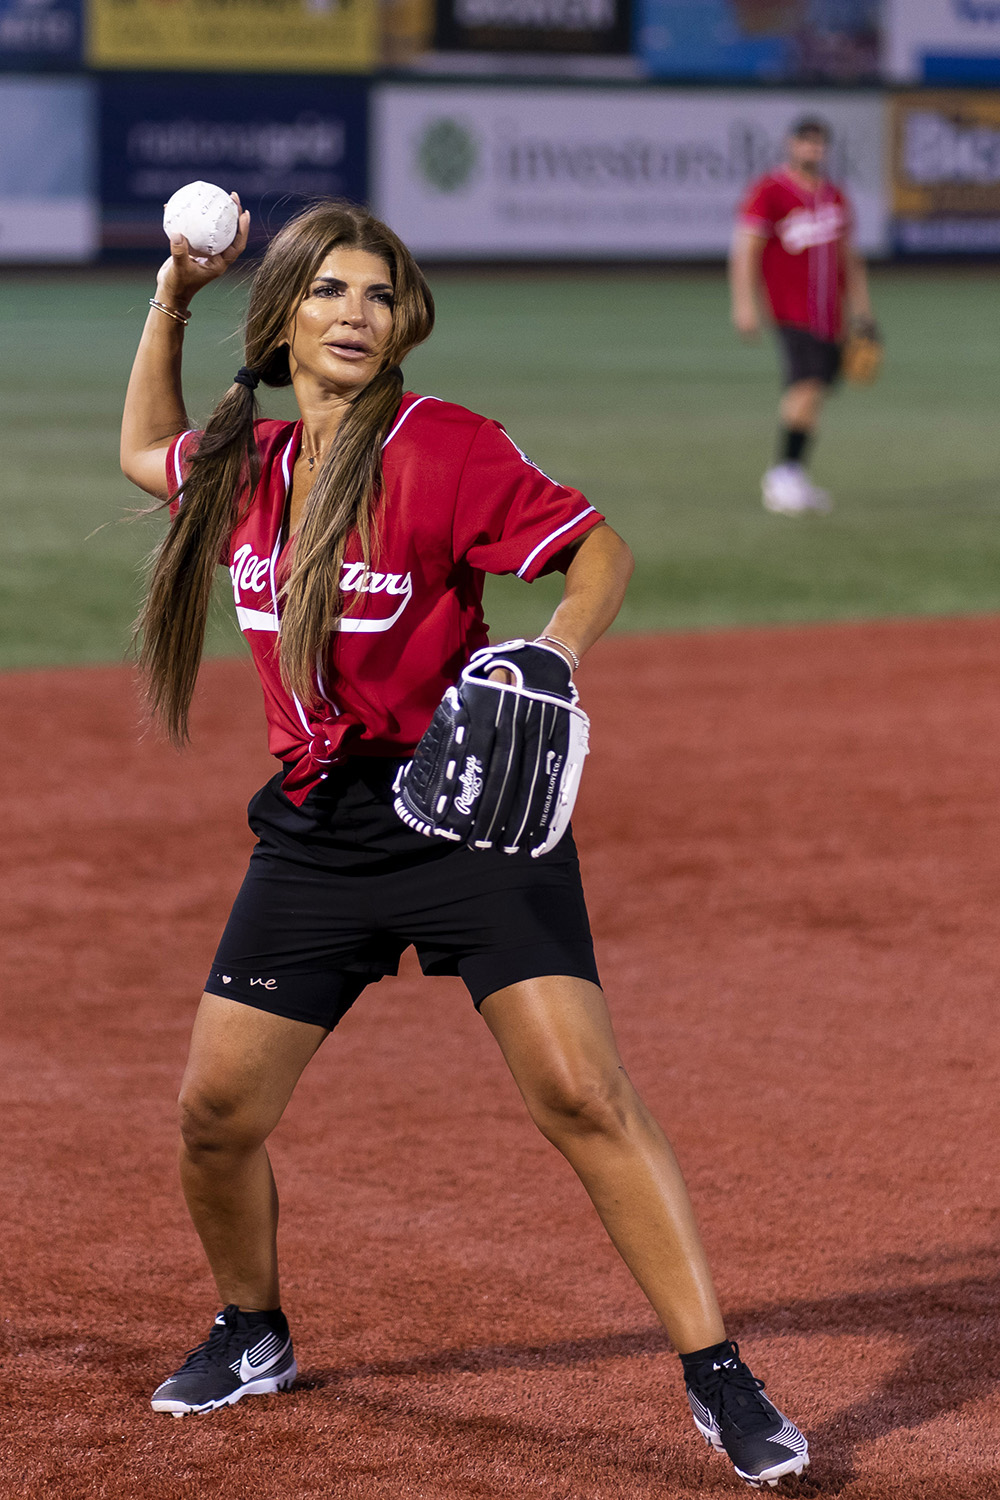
(242, 1068)
(556, 1036)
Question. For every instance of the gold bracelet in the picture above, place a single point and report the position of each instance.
(171, 312)
(568, 649)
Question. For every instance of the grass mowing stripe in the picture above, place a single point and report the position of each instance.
(630, 386)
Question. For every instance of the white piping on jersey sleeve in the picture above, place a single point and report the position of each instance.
(178, 472)
(559, 531)
(529, 461)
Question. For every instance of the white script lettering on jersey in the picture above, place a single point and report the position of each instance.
(255, 575)
(357, 581)
(804, 228)
(249, 572)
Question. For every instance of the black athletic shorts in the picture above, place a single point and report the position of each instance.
(806, 357)
(338, 888)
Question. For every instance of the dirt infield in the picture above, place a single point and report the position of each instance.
(792, 855)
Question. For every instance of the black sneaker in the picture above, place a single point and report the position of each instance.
(731, 1413)
(242, 1356)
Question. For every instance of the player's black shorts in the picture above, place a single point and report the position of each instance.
(337, 889)
(806, 357)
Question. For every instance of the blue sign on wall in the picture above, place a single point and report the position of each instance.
(703, 39)
(40, 33)
(788, 40)
(277, 141)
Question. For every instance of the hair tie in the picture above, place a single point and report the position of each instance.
(247, 377)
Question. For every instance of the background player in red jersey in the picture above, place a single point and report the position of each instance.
(794, 235)
(357, 539)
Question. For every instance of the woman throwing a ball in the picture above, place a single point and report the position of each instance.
(357, 539)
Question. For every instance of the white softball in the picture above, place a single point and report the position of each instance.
(206, 216)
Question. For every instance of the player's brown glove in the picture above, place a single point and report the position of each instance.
(861, 359)
(500, 764)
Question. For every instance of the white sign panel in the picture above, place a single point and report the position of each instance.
(930, 40)
(465, 172)
(48, 205)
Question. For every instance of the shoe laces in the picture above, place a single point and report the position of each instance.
(732, 1392)
(215, 1349)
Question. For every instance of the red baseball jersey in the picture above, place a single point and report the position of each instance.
(460, 500)
(803, 262)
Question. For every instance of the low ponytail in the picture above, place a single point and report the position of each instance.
(223, 471)
(223, 468)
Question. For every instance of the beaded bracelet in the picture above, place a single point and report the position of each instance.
(171, 312)
(568, 649)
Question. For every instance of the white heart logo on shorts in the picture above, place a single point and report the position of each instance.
(226, 978)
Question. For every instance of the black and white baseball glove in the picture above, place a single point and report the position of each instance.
(500, 763)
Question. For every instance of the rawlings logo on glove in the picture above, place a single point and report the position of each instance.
(472, 784)
(500, 764)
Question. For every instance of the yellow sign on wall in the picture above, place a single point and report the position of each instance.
(946, 153)
(302, 36)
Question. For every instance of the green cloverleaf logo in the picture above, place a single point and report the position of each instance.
(447, 155)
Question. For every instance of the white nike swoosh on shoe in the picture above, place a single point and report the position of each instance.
(248, 1371)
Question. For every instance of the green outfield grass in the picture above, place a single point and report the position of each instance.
(630, 386)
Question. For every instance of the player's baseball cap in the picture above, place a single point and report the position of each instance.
(810, 125)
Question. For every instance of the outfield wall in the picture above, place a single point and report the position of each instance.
(489, 171)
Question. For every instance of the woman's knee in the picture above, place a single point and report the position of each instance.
(213, 1120)
(568, 1103)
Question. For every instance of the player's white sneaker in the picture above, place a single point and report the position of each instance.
(787, 490)
(244, 1355)
(732, 1413)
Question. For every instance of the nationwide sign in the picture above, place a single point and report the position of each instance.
(277, 141)
(946, 172)
(465, 172)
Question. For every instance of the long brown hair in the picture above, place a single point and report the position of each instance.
(224, 469)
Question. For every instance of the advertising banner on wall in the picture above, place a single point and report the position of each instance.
(464, 172)
(946, 172)
(274, 140)
(48, 152)
(40, 33)
(587, 26)
(771, 40)
(407, 29)
(305, 36)
(942, 41)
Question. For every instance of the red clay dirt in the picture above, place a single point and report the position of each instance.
(792, 853)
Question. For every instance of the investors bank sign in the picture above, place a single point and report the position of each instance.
(467, 172)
